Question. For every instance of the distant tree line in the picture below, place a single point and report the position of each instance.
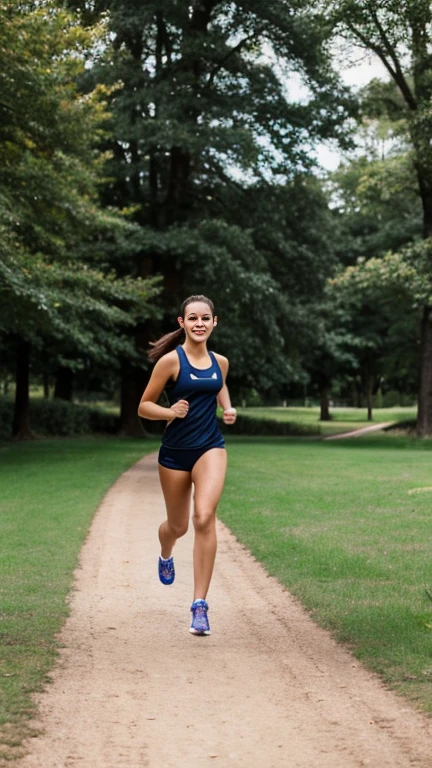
(150, 151)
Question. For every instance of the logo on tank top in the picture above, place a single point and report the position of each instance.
(203, 378)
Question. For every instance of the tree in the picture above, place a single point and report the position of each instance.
(384, 297)
(377, 210)
(56, 284)
(374, 198)
(400, 35)
(201, 113)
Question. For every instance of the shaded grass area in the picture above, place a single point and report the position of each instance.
(343, 419)
(49, 493)
(336, 524)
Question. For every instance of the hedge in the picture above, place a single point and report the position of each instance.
(248, 425)
(60, 418)
(409, 426)
(65, 419)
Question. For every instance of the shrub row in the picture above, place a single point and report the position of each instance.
(248, 425)
(409, 426)
(392, 399)
(6, 418)
(61, 418)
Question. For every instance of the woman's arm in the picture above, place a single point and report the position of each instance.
(229, 413)
(165, 369)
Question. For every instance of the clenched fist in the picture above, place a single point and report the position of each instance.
(180, 409)
(229, 416)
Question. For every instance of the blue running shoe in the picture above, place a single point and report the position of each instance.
(166, 570)
(200, 623)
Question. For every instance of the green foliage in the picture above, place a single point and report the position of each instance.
(378, 214)
(65, 419)
(404, 277)
(60, 418)
(211, 154)
(250, 425)
(400, 35)
(375, 204)
(6, 418)
(391, 399)
(384, 296)
(230, 104)
(56, 283)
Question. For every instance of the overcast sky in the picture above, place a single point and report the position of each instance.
(362, 69)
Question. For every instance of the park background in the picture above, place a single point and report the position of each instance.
(152, 151)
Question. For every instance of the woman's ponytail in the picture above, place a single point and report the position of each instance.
(165, 344)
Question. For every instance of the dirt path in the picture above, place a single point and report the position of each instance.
(268, 689)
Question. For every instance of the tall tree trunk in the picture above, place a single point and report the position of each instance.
(132, 387)
(369, 396)
(424, 414)
(21, 421)
(358, 392)
(368, 384)
(177, 201)
(424, 418)
(133, 383)
(324, 403)
(63, 385)
(169, 194)
(46, 386)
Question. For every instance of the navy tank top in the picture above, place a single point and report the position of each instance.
(199, 429)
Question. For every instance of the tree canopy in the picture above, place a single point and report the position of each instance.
(400, 35)
(56, 281)
(151, 151)
(209, 144)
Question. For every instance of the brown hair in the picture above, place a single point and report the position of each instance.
(171, 340)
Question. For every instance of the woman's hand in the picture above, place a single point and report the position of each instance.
(229, 415)
(180, 409)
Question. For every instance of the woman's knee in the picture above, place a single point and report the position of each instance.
(178, 529)
(204, 520)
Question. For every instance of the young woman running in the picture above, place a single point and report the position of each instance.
(193, 449)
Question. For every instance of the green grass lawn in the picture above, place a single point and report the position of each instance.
(343, 419)
(346, 527)
(49, 492)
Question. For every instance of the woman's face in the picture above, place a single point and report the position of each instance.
(198, 321)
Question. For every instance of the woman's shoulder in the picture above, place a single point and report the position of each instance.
(222, 361)
(170, 356)
(168, 361)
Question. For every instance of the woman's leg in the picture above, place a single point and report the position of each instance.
(208, 476)
(176, 488)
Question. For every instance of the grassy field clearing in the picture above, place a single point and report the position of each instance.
(50, 491)
(346, 528)
(343, 419)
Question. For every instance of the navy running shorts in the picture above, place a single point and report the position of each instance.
(181, 459)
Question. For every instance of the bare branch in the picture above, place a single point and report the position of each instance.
(398, 75)
(163, 36)
(201, 15)
(392, 66)
(231, 52)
